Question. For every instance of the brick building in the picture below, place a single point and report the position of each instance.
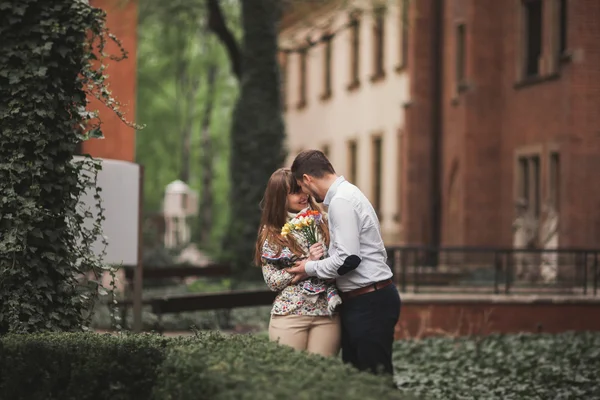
(119, 139)
(504, 99)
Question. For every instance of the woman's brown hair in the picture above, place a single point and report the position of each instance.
(275, 214)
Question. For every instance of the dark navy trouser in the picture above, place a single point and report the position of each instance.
(368, 323)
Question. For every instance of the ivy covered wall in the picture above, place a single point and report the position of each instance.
(48, 66)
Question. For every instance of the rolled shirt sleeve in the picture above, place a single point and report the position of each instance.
(344, 228)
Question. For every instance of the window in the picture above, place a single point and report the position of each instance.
(352, 158)
(403, 30)
(283, 64)
(562, 27)
(327, 43)
(354, 51)
(378, 43)
(302, 55)
(377, 174)
(529, 182)
(523, 178)
(532, 13)
(401, 167)
(554, 180)
(461, 56)
(534, 197)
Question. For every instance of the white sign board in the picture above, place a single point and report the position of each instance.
(120, 182)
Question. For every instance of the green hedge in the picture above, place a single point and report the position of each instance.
(565, 366)
(79, 366)
(209, 366)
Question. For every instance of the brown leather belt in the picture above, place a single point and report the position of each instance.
(367, 289)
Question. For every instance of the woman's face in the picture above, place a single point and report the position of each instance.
(297, 201)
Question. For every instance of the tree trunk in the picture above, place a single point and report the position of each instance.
(207, 158)
(257, 132)
(187, 111)
(217, 24)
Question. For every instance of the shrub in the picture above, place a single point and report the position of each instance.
(79, 366)
(89, 366)
(247, 367)
(565, 366)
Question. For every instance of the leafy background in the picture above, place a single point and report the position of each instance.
(174, 46)
(527, 366)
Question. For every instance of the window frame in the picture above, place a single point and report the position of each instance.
(380, 13)
(327, 42)
(352, 153)
(284, 78)
(302, 78)
(403, 30)
(460, 56)
(377, 157)
(354, 30)
(527, 187)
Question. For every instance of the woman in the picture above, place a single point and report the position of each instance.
(303, 314)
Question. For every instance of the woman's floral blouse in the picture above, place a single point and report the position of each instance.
(313, 297)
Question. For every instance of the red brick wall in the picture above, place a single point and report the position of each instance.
(485, 125)
(453, 133)
(532, 115)
(416, 176)
(119, 139)
(581, 135)
(458, 318)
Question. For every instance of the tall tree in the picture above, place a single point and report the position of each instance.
(206, 199)
(257, 132)
(217, 23)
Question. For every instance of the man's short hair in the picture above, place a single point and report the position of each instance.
(313, 163)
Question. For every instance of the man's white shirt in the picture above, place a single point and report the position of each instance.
(354, 230)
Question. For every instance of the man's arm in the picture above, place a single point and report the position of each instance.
(344, 225)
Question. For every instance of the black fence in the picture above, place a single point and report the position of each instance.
(494, 270)
(420, 269)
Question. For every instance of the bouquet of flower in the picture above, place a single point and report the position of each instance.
(305, 224)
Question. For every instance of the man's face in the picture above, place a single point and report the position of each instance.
(308, 185)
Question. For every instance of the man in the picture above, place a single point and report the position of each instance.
(357, 260)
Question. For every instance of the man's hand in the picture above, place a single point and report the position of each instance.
(299, 271)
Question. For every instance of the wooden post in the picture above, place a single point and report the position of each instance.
(138, 275)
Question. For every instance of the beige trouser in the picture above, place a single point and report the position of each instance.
(320, 335)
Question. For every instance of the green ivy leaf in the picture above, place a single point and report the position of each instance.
(46, 73)
(95, 133)
(14, 79)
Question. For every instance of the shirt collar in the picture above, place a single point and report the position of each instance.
(333, 189)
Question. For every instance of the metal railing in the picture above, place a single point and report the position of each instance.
(494, 270)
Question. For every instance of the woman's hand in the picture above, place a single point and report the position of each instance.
(316, 251)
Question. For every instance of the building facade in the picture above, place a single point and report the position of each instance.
(491, 128)
(344, 89)
(503, 122)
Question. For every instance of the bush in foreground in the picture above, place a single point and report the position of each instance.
(208, 366)
(565, 366)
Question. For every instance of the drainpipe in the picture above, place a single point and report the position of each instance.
(436, 142)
